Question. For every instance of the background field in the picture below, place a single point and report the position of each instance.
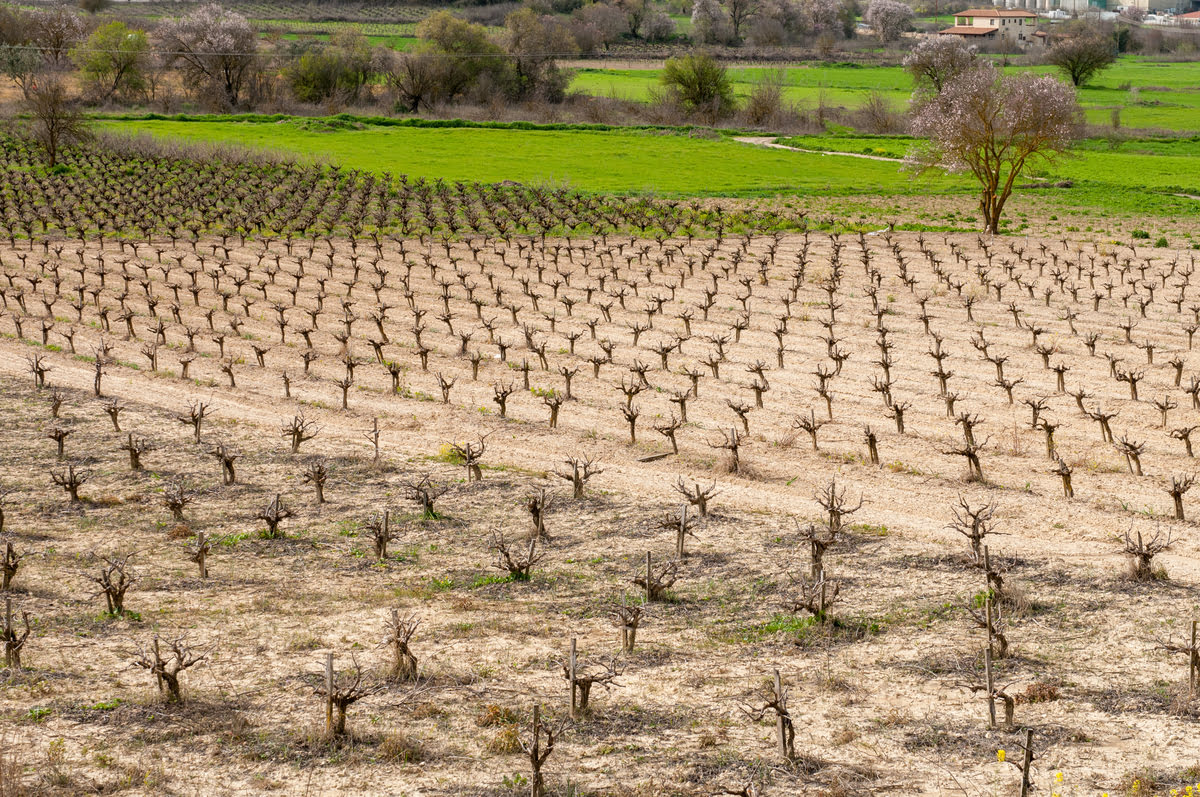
(1111, 182)
(1148, 94)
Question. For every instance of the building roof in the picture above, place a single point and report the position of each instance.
(995, 12)
(968, 30)
(1189, 15)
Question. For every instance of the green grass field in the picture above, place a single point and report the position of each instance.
(1149, 94)
(1130, 179)
(624, 161)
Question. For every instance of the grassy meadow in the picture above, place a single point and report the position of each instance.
(621, 160)
(1148, 94)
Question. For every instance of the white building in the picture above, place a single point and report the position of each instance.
(992, 24)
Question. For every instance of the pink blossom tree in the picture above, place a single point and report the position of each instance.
(937, 59)
(993, 126)
(889, 18)
(216, 49)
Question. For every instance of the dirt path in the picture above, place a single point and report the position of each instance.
(769, 141)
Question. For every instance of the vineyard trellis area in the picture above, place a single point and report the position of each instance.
(838, 511)
(106, 191)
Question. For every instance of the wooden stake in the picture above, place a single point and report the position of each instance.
(647, 576)
(991, 629)
(329, 693)
(991, 686)
(683, 518)
(8, 630)
(780, 730)
(534, 752)
(201, 553)
(1027, 764)
(574, 685)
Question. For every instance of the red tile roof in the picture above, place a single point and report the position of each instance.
(995, 12)
(968, 30)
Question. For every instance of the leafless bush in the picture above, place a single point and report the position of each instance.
(680, 524)
(1178, 487)
(628, 619)
(876, 115)
(299, 430)
(71, 479)
(657, 579)
(836, 504)
(9, 565)
(425, 492)
(776, 703)
(226, 457)
(514, 558)
(581, 471)
(398, 635)
(167, 669)
(538, 505)
(470, 454)
(136, 447)
(813, 594)
(317, 474)
(974, 524)
(13, 641)
(696, 495)
(273, 515)
(197, 412)
(381, 533)
(199, 553)
(342, 690)
(1141, 553)
(176, 497)
(582, 678)
(59, 435)
(538, 747)
(115, 578)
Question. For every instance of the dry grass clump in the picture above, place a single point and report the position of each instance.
(401, 748)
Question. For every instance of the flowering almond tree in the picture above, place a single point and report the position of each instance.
(216, 49)
(992, 126)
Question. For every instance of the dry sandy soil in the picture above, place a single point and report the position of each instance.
(881, 696)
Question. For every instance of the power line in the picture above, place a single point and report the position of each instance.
(286, 56)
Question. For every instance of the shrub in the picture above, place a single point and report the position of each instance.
(700, 84)
(113, 59)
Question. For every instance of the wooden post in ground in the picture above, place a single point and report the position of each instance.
(8, 630)
(648, 595)
(571, 677)
(991, 686)
(991, 629)
(683, 518)
(1194, 662)
(329, 693)
(202, 553)
(1027, 763)
(780, 729)
(535, 783)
